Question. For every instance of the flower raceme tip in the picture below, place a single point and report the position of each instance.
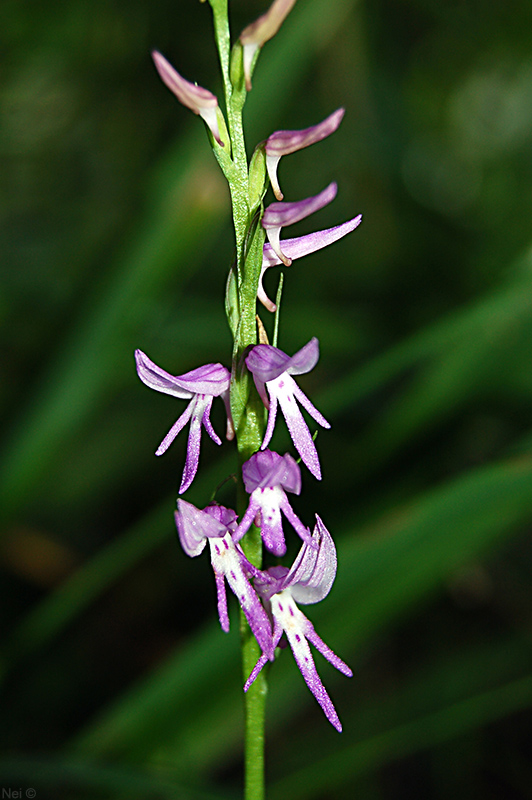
(200, 386)
(194, 97)
(255, 35)
(272, 372)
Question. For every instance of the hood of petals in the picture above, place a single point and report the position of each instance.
(282, 143)
(313, 572)
(195, 527)
(267, 469)
(212, 379)
(226, 516)
(267, 362)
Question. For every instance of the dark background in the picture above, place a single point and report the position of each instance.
(116, 679)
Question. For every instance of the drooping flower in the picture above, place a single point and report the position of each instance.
(267, 477)
(299, 247)
(308, 581)
(281, 143)
(217, 524)
(272, 371)
(279, 215)
(195, 97)
(255, 35)
(199, 386)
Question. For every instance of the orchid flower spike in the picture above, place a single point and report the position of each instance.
(199, 386)
(217, 524)
(301, 246)
(259, 32)
(272, 370)
(308, 581)
(267, 478)
(278, 215)
(199, 100)
(281, 143)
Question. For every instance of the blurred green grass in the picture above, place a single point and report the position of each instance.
(116, 680)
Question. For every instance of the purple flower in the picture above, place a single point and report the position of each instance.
(217, 524)
(272, 370)
(267, 478)
(308, 581)
(199, 386)
(281, 143)
(259, 32)
(199, 100)
(301, 246)
(278, 215)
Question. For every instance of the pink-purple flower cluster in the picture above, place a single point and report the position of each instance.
(268, 598)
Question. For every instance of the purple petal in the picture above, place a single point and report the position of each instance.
(226, 516)
(193, 451)
(195, 526)
(313, 572)
(279, 215)
(199, 100)
(176, 428)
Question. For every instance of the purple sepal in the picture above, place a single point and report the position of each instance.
(302, 246)
(260, 31)
(281, 143)
(279, 215)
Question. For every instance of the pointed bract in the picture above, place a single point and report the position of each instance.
(260, 31)
(194, 97)
(282, 143)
